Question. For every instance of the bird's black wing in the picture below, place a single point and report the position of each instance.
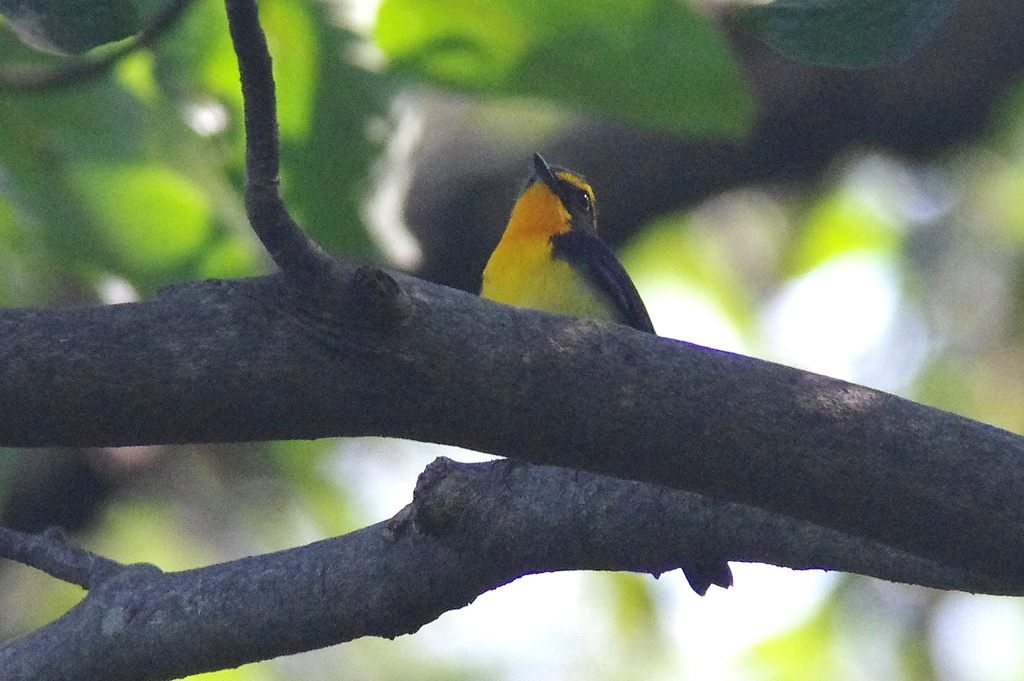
(591, 257)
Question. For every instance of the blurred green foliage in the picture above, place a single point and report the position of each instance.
(685, 252)
(139, 175)
(655, 63)
(838, 223)
(805, 652)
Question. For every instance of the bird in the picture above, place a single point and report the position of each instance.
(551, 258)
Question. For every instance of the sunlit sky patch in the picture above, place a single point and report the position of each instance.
(826, 320)
(686, 313)
(978, 638)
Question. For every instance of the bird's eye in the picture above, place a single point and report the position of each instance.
(583, 202)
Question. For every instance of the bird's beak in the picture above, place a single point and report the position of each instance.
(545, 173)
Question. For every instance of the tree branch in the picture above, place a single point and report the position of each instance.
(470, 529)
(290, 247)
(255, 360)
(51, 553)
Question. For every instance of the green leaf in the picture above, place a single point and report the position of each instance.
(805, 652)
(325, 170)
(840, 223)
(851, 33)
(229, 258)
(42, 135)
(651, 63)
(674, 249)
(150, 216)
(70, 26)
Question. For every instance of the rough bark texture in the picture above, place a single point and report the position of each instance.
(249, 360)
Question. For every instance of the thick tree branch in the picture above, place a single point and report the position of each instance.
(255, 359)
(471, 528)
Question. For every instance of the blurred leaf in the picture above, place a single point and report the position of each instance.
(135, 72)
(633, 607)
(944, 383)
(653, 63)
(294, 46)
(229, 258)
(995, 393)
(16, 271)
(671, 249)
(326, 170)
(802, 653)
(303, 463)
(148, 216)
(851, 33)
(839, 223)
(999, 195)
(40, 135)
(70, 26)
(151, 530)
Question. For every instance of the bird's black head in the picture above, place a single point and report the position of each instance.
(572, 190)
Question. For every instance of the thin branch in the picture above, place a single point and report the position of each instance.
(51, 553)
(293, 251)
(470, 529)
(17, 77)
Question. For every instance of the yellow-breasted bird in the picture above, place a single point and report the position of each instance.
(551, 258)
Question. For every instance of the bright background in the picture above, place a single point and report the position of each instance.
(901, 275)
